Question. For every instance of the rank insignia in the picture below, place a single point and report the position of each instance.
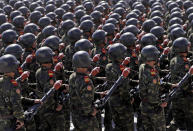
(86, 79)
(50, 73)
(14, 82)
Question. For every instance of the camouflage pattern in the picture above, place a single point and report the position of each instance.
(81, 102)
(149, 92)
(122, 110)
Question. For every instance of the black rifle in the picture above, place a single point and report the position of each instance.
(28, 114)
(99, 104)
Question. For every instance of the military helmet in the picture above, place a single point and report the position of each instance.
(128, 39)
(68, 15)
(117, 52)
(7, 9)
(74, 34)
(33, 5)
(177, 32)
(44, 21)
(8, 63)
(31, 28)
(86, 17)
(158, 20)
(3, 18)
(115, 16)
(19, 21)
(48, 31)
(132, 21)
(40, 9)
(50, 8)
(96, 15)
(89, 6)
(14, 14)
(175, 20)
(81, 59)
(132, 15)
(131, 28)
(14, 49)
(66, 7)
(149, 53)
(112, 20)
(148, 25)
(52, 42)
(59, 12)
(65, 26)
(9, 36)
(35, 16)
(44, 55)
(158, 31)
(98, 37)
(52, 16)
(86, 25)
(24, 10)
(83, 44)
(180, 45)
(6, 26)
(109, 28)
(27, 40)
(148, 39)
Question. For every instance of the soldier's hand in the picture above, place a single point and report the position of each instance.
(37, 101)
(126, 72)
(57, 84)
(132, 100)
(166, 51)
(25, 75)
(60, 56)
(191, 70)
(58, 67)
(19, 124)
(117, 36)
(29, 59)
(61, 46)
(138, 47)
(96, 58)
(95, 71)
(126, 61)
(59, 107)
(94, 112)
(174, 86)
(164, 104)
(166, 41)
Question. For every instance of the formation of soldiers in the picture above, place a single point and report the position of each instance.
(64, 60)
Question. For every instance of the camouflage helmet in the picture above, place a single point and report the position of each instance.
(180, 45)
(9, 36)
(128, 39)
(150, 53)
(81, 59)
(27, 40)
(8, 63)
(44, 55)
(117, 52)
(14, 49)
(83, 44)
(52, 42)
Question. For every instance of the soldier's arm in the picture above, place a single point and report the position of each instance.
(16, 104)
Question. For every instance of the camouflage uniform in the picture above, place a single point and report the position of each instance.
(81, 99)
(180, 106)
(50, 118)
(149, 92)
(122, 110)
(10, 101)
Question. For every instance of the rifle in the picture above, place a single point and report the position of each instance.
(28, 114)
(99, 104)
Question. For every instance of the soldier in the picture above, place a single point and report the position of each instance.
(51, 115)
(121, 102)
(82, 94)
(179, 66)
(11, 109)
(149, 91)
